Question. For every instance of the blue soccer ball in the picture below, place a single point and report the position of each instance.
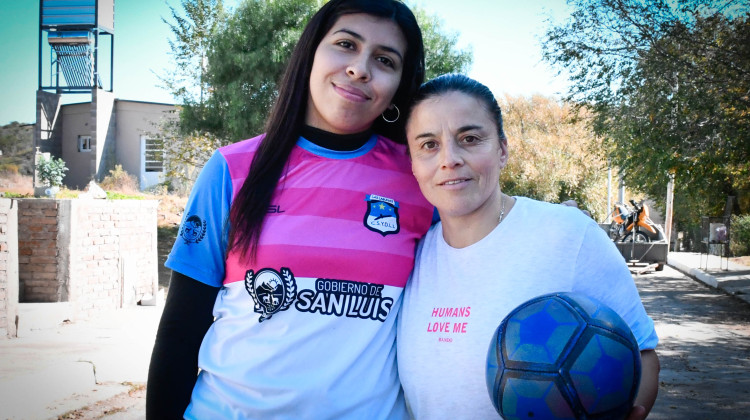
(563, 356)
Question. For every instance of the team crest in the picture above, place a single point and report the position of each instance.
(193, 229)
(271, 291)
(382, 215)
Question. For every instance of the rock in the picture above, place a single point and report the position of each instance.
(93, 191)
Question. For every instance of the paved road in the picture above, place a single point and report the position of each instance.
(704, 348)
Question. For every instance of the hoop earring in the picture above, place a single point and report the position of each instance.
(398, 114)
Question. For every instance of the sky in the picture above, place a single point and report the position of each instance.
(503, 34)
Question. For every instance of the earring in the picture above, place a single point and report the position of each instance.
(398, 114)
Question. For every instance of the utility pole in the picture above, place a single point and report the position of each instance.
(669, 209)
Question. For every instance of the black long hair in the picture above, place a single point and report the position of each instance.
(287, 115)
(459, 83)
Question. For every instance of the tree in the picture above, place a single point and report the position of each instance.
(192, 29)
(554, 156)
(441, 53)
(245, 61)
(667, 83)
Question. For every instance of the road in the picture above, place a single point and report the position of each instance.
(704, 348)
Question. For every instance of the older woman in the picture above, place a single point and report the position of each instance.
(490, 253)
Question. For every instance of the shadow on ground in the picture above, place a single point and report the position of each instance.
(704, 348)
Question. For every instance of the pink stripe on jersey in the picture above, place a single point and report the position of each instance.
(346, 235)
(314, 262)
(298, 201)
(317, 227)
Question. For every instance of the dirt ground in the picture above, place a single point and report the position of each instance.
(118, 407)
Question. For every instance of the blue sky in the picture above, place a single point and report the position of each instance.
(504, 35)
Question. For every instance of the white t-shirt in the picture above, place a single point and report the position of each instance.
(456, 298)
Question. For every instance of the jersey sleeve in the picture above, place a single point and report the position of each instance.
(606, 277)
(199, 250)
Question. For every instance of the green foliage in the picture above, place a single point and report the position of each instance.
(667, 82)
(10, 194)
(739, 235)
(247, 56)
(441, 54)
(113, 195)
(51, 171)
(192, 29)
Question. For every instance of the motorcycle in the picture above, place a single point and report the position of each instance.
(633, 224)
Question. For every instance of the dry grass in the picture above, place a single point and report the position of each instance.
(741, 260)
(170, 206)
(16, 183)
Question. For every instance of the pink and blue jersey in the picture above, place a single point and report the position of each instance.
(307, 330)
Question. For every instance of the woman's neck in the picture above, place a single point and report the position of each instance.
(338, 142)
(463, 231)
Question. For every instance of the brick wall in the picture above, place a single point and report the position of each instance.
(97, 254)
(38, 249)
(8, 267)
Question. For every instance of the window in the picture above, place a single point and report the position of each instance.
(154, 154)
(84, 143)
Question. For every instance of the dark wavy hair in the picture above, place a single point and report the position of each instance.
(287, 115)
(459, 83)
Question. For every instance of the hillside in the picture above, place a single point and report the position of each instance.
(17, 147)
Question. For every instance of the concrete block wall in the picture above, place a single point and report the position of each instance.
(8, 267)
(96, 254)
(113, 257)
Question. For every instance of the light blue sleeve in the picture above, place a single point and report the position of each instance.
(201, 242)
(609, 280)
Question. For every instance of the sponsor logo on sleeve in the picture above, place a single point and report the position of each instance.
(193, 229)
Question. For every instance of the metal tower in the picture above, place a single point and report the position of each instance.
(76, 56)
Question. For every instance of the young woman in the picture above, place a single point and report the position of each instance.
(490, 253)
(306, 239)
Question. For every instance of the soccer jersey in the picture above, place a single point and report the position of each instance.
(457, 297)
(307, 330)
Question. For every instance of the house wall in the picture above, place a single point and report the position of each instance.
(48, 127)
(104, 120)
(96, 254)
(8, 267)
(133, 120)
(77, 122)
(115, 127)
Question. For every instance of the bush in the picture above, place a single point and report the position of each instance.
(51, 171)
(739, 239)
(119, 180)
(9, 169)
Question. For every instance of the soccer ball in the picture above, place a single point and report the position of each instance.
(563, 356)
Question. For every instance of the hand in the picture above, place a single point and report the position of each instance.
(638, 412)
(573, 203)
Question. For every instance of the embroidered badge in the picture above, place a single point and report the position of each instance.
(193, 229)
(382, 215)
(271, 291)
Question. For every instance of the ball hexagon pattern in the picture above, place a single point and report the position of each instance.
(563, 356)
